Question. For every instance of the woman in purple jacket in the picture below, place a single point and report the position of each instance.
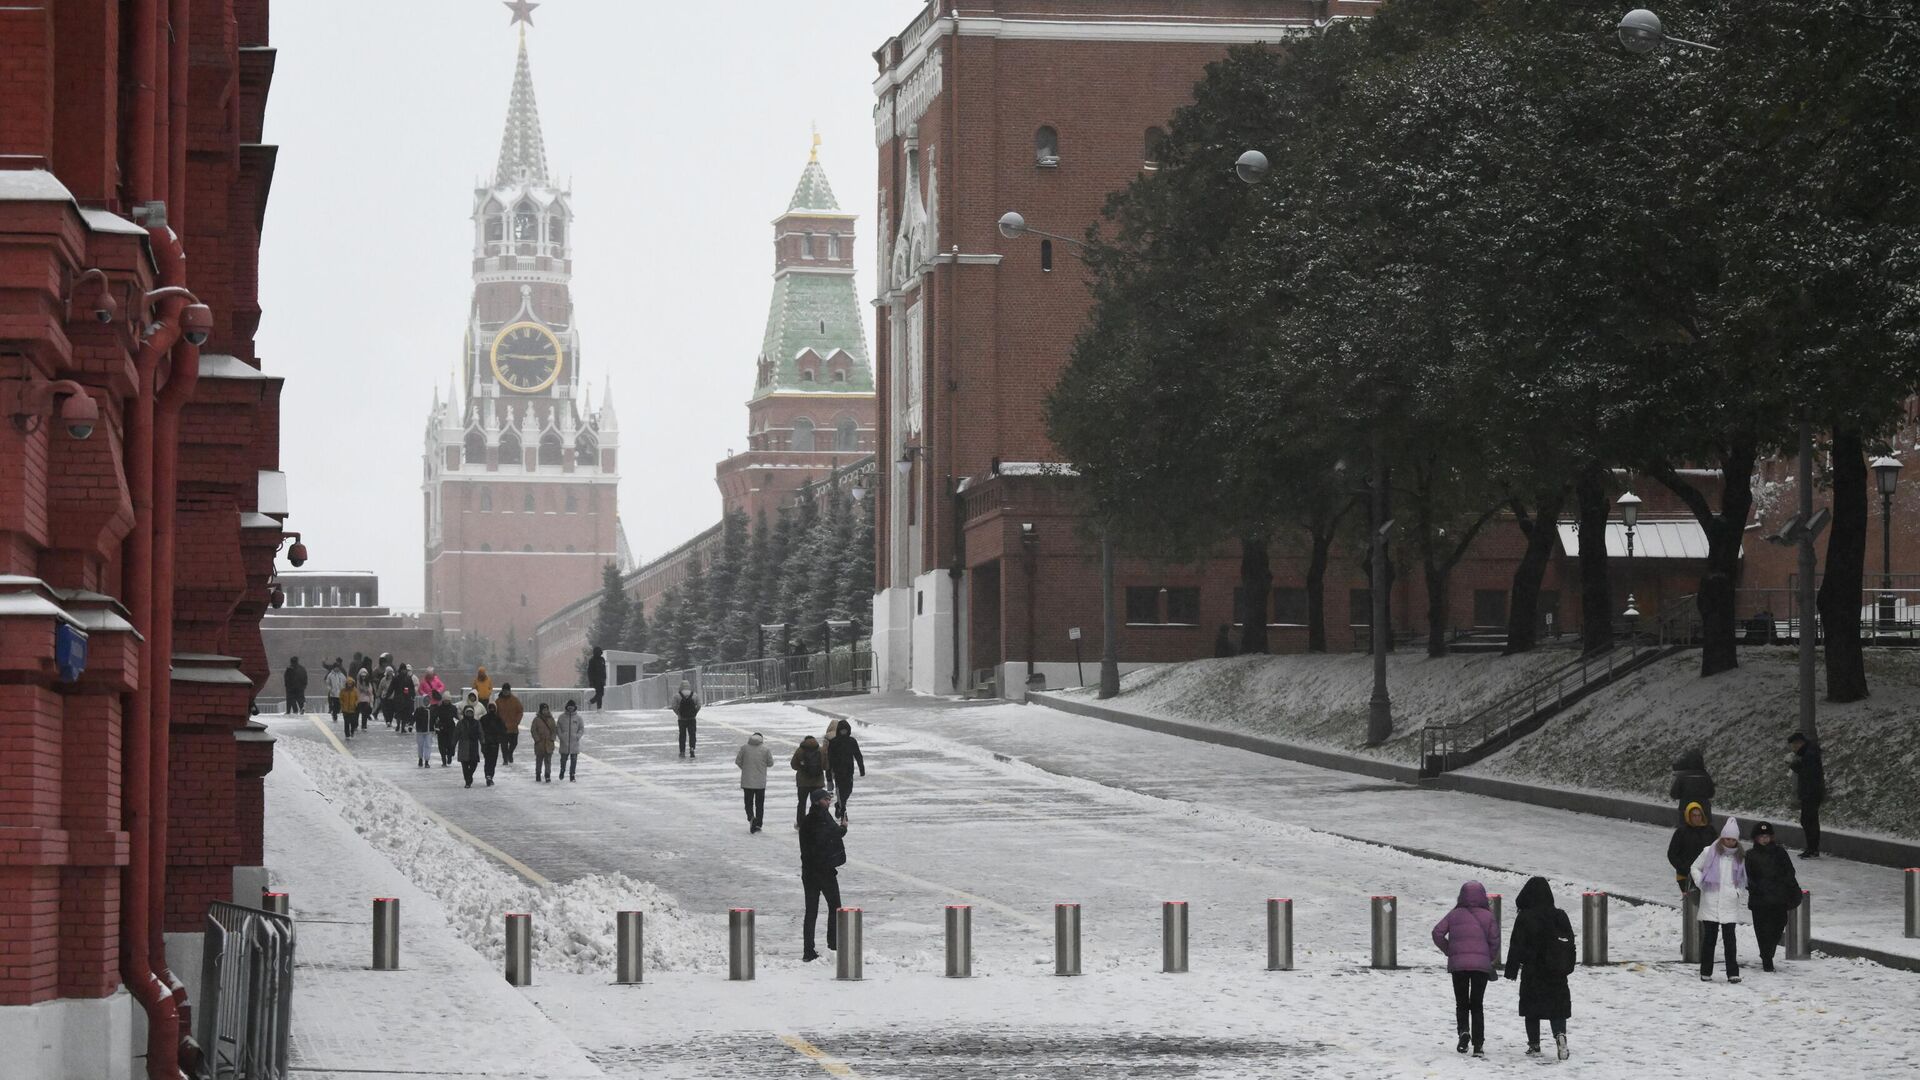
(1469, 937)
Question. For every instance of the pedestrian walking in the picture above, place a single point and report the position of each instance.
(1469, 937)
(493, 735)
(295, 678)
(1721, 873)
(754, 759)
(1810, 786)
(822, 852)
(512, 710)
(686, 706)
(1541, 954)
(1692, 836)
(446, 723)
(400, 695)
(545, 733)
(350, 705)
(382, 693)
(1773, 891)
(423, 733)
(809, 775)
(364, 693)
(468, 739)
(483, 683)
(431, 684)
(1692, 783)
(335, 681)
(597, 676)
(571, 729)
(843, 753)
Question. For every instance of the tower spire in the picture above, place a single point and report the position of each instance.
(523, 151)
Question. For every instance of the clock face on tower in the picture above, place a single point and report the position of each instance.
(527, 357)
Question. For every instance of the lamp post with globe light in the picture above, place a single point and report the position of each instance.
(1886, 477)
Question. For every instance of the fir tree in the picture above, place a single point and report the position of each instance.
(610, 620)
(698, 633)
(667, 627)
(726, 586)
(635, 637)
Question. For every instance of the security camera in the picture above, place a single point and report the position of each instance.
(106, 308)
(276, 597)
(297, 554)
(196, 323)
(79, 414)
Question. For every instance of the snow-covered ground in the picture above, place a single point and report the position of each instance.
(1117, 820)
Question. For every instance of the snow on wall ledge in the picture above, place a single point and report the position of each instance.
(573, 922)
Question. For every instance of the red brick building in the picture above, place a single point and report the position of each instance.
(521, 472)
(140, 511)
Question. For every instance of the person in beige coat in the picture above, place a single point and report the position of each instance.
(545, 734)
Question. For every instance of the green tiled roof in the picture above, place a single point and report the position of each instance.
(523, 152)
(813, 192)
(819, 312)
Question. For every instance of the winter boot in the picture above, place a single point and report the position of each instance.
(1477, 1052)
(1560, 1047)
(1465, 1037)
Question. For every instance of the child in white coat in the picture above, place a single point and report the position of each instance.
(1720, 871)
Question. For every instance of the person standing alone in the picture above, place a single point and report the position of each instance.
(754, 759)
(822, 852)
(296, 680)
(350, 705)
(686, 706)
(597, 676)
(1469, 937)
(1810, 783)
(843, 753)
(512, 711)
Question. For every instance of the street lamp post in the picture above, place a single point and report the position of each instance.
(1886, 477)
(1629, 505)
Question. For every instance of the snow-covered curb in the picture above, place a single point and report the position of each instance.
(573, 922)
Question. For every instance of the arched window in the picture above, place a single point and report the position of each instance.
(496, 228)
(486, 498)
(846, 434)
(1151, 145)
(510, 455)
(833, 245)
(573, 505)
(806, 375)
(586, 452)
(476, 449)
(1046, 147)
(526, 502)
(806, 245)
(557, 232)
(1046, 256)
(839, 376)
(803, 434)
(550, 448)
(526, 225)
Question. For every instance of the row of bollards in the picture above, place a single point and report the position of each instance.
(1797, 943)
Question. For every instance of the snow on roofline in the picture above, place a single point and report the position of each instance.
(1036, 468)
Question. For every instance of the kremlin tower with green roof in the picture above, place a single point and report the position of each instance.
(812, 405)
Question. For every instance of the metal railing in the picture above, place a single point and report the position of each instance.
(245, 1010)
(1450, 746)
(1771, 616)
(843, 671)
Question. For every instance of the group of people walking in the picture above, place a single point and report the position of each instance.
(1540, 954)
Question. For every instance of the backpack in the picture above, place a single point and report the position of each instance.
(1560, 957)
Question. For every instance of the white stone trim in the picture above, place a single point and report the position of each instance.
(965, 259)
(820, 271)
(1159, 31)
(70, 1038)
(601, 555)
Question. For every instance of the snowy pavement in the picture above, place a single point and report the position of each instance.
(1115, 819)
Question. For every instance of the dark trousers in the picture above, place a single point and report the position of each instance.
(1810, 822)
(1469, 988)
(507, 748)
(826, 883)
(599, 695)
(490, 751)
(466, 770)
(333, 707)
(352, 722)
(1724, 931)
(806, 800)
(756, 799)
(1769, 925)
(842, 791)
(570, 766)
(1533, 1029)
(542, 764)
(689, 735)
(446, 747)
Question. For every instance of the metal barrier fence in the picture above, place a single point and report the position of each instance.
(246, 1001)
(844, 671)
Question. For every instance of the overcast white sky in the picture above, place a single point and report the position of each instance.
(683, 128)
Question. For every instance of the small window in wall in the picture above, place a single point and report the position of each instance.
(1046, 147)
(1183, 605)
(573, 505)
(593, 497)
(802, 434)
(528, 548)
(525, 222)
(475, 451)
(1046, 256)
(833, 245)
(486, 498)
(1360, 607)
(806, 245)
(557, 231)
(846, 434)
(550, 449)
(1489, 607)
(569, 549)
(1289, 606)
(526, 502)
(839, 376)
(1143, 604)
(920, 602)
(486, 547)
(523, 599)
(1153, 142)
(510, 456)
(806, 375)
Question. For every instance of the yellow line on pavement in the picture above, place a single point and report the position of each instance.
(834, 1066)
(511, 863)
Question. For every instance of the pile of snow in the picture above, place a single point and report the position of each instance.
(1630, 734)
(573, 922)
(1321, 700)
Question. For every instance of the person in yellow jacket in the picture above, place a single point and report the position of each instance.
(511, 711)
(482, 684)
(350, 705)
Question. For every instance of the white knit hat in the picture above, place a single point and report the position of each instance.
(1731, 830)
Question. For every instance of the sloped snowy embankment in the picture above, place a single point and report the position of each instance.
(573, 922)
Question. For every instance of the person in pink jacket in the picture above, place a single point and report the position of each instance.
(430, 685)
(1470, 938)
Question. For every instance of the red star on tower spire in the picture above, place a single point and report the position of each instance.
(522, 11)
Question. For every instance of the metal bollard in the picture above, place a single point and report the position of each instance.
(740, 944)
(1173, 937)
(1066, 939)
(386, 934)
(847, 963)
(1593, 929)
(276, 902)
(1279, 934)
(959, 941)
(1913, 901)
(630, 954)
(1386, 934)
(1690, 928)
(1499, 907)
(1799, 938)
(519, 949)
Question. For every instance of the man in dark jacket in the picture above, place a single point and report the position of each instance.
(1689, 840)
(296, 679)
(1773, 890)
(822, 853)
(1542, 938)
(1692, 782)
(809, 776)
(467, 739)
(493, 732)
(843, 753)
(597, 676)
(686, 706)
(1810, 773)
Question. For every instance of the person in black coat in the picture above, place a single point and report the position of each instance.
(493, 733)
(597, 676)
(1537, 953)
(445, 722)
(822, 852)
(1773, 890)
(686, 707)
(296, 680)
(1810, 775)
(1692, 783)
(467, 736)
(843, 753)
(1692, 837)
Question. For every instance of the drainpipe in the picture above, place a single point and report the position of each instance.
(145, 60)
(177, 102)
(956, 573)
(139, 895)
(162, 126)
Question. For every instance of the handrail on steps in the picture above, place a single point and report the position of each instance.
(1440, 744)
